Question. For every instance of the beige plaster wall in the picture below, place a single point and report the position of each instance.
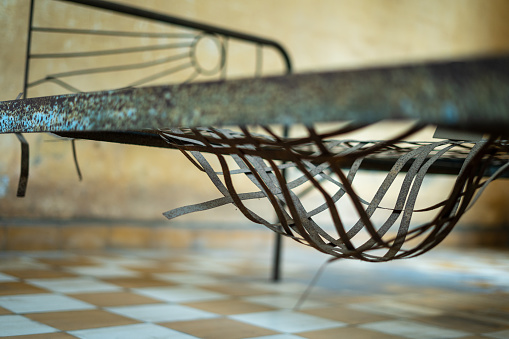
(129, 182)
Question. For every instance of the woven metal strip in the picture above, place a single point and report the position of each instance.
(320, 160)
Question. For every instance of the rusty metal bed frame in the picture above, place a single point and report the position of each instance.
(464, 95)
(187, 36)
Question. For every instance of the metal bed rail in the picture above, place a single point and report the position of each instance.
(124, 133)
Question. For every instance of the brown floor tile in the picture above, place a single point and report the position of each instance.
(77, 320)
(174, 258)
(344, 314)
(218, 329)
(42, 336)
(494, 315)
(352, 299)
(3, 311)
(399, 289)
(3, 237)
(138, 282)
(227, 307)
(467, 323)
(236, 290)
(10, 288)
(478, 301)
(149, 272)
(38, 274)
(498, 300)
(453, 301)
(250, 272)
(436, 301)
(346, 332)
(111, 299)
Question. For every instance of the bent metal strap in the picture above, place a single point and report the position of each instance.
(322, 163)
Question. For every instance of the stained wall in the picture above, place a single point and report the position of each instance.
(123, 184)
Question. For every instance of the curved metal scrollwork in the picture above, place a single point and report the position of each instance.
(221, 54)
(173, 49)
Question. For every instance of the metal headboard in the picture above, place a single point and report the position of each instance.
(183, 39)
(181, 45)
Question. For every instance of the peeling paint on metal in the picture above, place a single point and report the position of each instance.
(469, 94)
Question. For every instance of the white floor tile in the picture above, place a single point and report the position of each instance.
(284, 301)
(287, 321)
(188, 278)
(282, 287)
(206, 266)
(104, 271)
(31, 303)
(411, 329)
(126, 261)
(6, 278)
(75, 285)
(19, 325)
(137, 331)
(179, 294)
(161, 312)
(20, 264)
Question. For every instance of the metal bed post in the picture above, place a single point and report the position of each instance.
(28, 49)
(25, 149)
(139, 137)
(278, 238)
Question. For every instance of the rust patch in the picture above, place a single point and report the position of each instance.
(470, 95)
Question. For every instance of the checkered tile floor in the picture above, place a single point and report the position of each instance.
(227, 295)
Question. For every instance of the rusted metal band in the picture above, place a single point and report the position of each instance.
(467, 95)
(315, 162)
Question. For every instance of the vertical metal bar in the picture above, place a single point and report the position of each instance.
(75, 157)
(25, 151)
(28, 49)
(278, 241)
(25, 165)
(276, 260)
(224, 70)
